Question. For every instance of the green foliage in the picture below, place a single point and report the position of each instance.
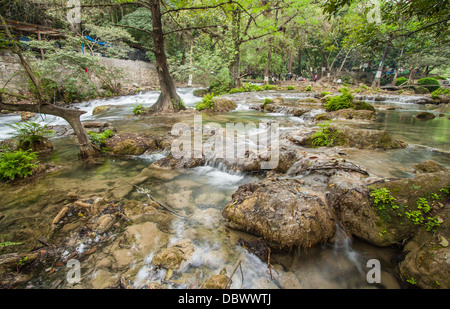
(309, 88)
(401, 80)
(269, 87)
(436, 94)
(385, 203)
(9, 243)
(30, 132)
(430, 81)
(326, 137)
(206, 103)
(293, 88)
(339, 102)
(17, 164)
(100, 138)
(138, 110)
(325, 93)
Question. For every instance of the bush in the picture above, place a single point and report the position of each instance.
(400, 81)
(440, 92)
(269, 87)
(206, 103)
(309, 88)
(326, 137)
(339, 102)
(293, 87)
(430, 81)
(17, 164)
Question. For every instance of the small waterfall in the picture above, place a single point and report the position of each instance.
(343, 246)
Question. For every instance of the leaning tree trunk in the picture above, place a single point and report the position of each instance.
(377, 80)
(267, 71)
(169, 100)
(72, 116)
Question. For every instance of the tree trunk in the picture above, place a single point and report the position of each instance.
(236, 64)
(299, 70)
(169, 100)
(377, 79)
(267, 71)
(394, 82)
(72, 116)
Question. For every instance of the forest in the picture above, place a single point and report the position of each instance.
(118, 168)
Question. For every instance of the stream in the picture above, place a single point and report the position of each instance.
(201, 193)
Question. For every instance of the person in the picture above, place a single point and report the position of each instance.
(315, 78)
(339, 81)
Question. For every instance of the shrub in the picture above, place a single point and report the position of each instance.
(293, 88)
(440, 92)
(309, 88)
(326, 137)
(339, 102)
(206, 103)
(17, 164)
(401, 80)
(30, 133)
(430, 81)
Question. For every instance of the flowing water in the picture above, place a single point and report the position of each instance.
(201, 193)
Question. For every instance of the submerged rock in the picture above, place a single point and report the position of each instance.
(218, 282)
(428, 167)
(347, 114)
(278, 212)
(173, 257)
(425, 116)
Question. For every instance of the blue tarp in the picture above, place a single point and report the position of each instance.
(105, 44)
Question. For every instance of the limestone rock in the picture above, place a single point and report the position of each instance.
(173, 257)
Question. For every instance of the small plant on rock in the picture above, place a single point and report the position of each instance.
(17, 164)
(326, 137)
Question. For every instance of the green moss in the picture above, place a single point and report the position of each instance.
(428, 81)
(339, 102)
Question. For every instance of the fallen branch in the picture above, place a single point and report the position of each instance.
(345, 168)
(227, 286)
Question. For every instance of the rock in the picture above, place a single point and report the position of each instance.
(284, 217)
(426, 262)
(347, 114)
(349, 196)
(25, 116)
(173, 257)
(428, 167)
(131, 144)
(425, 116)
(421, 90)
(102, 108)
(104, 223)
(223, 105)
(218, 282)
(200, 92)
(41, 146)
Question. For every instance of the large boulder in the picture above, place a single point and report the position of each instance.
(283, 216)
(131, 144)
(223, 105)
(379, 223)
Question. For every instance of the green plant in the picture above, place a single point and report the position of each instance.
(400, 81)
(138, 110)
(385, 203)
(326, 137)
(339, 102)
(9, 243)
(206, 103)
(411, 281)
(432, 224)
(266, 102)
(17, 164)
(309, 88)
(325, 93)
(269, 87)
(293, 88)
(429, 81)
(30, 132)
(416, 216)
(100, 138)
(422, 204)
(436, 94)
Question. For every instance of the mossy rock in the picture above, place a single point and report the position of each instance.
(223, 105)
(201, 92)
(362, 105)
(130, 144)
(101, 109)
(421, 90)
(425, 116)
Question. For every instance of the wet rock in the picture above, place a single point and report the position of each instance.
(104, 223)
(256, 246)
(25, 116)
(425, 116)
(41, 146)
(280, 214)
(347, 114)
(131, 144)
(173, 257)
(428, 167)
(102, 108)
(349, 196)
(99, 127)
(217, 282)
(61, 214)
(426, 261)
(223, 105)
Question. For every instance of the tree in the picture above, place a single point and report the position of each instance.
(87, 150)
